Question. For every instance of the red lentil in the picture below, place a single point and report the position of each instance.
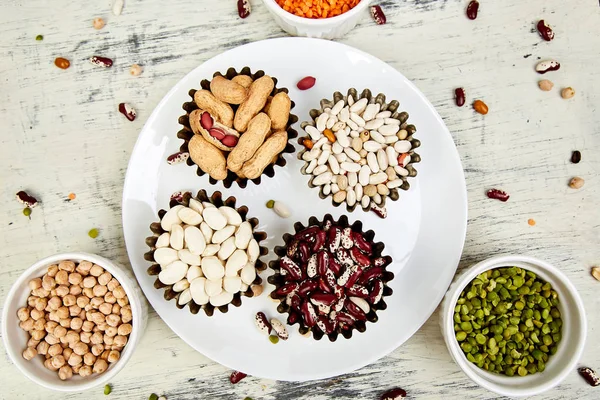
(317, 8)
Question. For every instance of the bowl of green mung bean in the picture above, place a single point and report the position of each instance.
(514, 324)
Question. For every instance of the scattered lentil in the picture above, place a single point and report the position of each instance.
(39, 38)
(27, 211)
(107, 390)
(274, 339)
(72, 196)
(153, 396)
(270, 203)
(93, 233)
(531, 222)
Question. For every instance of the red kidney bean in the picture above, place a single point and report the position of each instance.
(306, 83)
(378, 15)
(291, 267)
(322, 262)
(325, 299)
(217, 133)
(376, 292)
(296, 302)
(370, 274)
(292, 248)
(379, 262)
(472, 9)
(324, 286)
(293, 317)
(178, 196)
(394, 394)
(546, 66)
(355, 311)
(344, 318)
(459, 96)
(206, 120)
(311, 267)
(243, 7)
(325, 325)
(380, 211)
(229, 140)
(307, 286)
(307, 233)
(358, 291)
(327, 224)
(128, 111)
(346, 239)
(26, 199)
(589, 375)
(178, 157)
(236, 376)
(361, 243)
(101, 61)
(359, 257)
(335, 235)
(309, 314)
(339, 292)
(330, 279)
(498, 195)
(286, 289)
(355, 273)
(319, 241)
(304, 251)
(545, 31)
(343, 256)
(334, 266)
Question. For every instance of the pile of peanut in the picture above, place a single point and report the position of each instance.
(78, 317)
(244, 142)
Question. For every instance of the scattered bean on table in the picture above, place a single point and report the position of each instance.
(39, 38)
(545, 30)
(98, 23)
(567, 93)
(480, 107)
(546, 85)
(576, 183)
(596, 273)
(459, 96)
(306, 83)
(472, 9)
(498, 195)
(62, 63)
(378, 15)
(576, 157)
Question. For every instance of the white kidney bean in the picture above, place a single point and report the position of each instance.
(211, 250)
(184, 297)
(352, 154)
(384, 114)
(207, 204)
(331, 121)
(213, 268)
(253, 250)
(353, 125)
(181, 285)
(341, 157)
(350, 100)
(243, 235)
(358, 190)
(187, 257)
(311, 166)
(322, 121)
(377, 198)
(354, 134)
(233, 217)
(221, 299)
(207, 231)
(371, 145)
(338, 126)
(350, 197)
(322, 179)
(359, 106)
(327, 189)
(189, 216)
(392, 156)
(382, 159)
(194, 272)
(402, 146)
(195, 240)
(163, 240)
(371, 111)
(357, 119)
(394, 184)
(281, 209)
(334, 188)
(312, 132)
(333, 164)
(365, 201)
(196, 206)
(334, 178)
(372, 162)
(350, 166)
(337, 107)
(323, 157)
(171, 218)
(165, 256)
(401, 171)
(352, 179)
(378, 137)
(337, 148)
(213, 288)
(387, 130)
(344, 115)
(377, 178)
(319, 170)
(198, 292)
(391, 139)
(364, 174)
(232, 284)
(173, 272)
(342, 139)
(374, 124)
(392, 121)
(248, 274)
(310, 155)
(226, 248)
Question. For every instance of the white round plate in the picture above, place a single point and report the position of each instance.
(424, 231)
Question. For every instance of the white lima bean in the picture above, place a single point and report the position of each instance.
(233, 217)
(211, 250)
(165, 256)
(214, 218)
(344, 115)
(213, 268)
(238, 259)
(213, 288)
(222, 299)
(357, 119)
(342, 139)
(337, 107)
(253, 250)
(331, 122)
(371, 111)
(176, 238)
(248, 273)
(223, 234)
(188, 257)
(195, 240)
(171, 218)
(198, 292)
(163, 240)
(173, 272)
(189, 216)
(243, 235)
(226, 249)
(374, 124)
(196, 206)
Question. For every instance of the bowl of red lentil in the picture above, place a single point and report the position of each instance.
(325, 19)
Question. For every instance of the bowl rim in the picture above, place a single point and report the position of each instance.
(276, 8)
(117, 271)
(447, 324)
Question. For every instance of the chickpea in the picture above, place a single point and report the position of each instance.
(65, 322)
(83, 301)
(116, 309)
(97, 349)
(113, 320)
(96, 270)
(58, 361)
(35, 283)
(49, 326)
(135, 70)
(113, 284)
(98, 318)
(84, 268)
(120, 341)
(75, 290)
(31, 301)
(41, 304)
(123, 302)
(111, 331)
(23, 314)
(37, 314)
(100, 366)
(110, 298)
(74, 310)
(75, 278)
(39, 324)
(80, 348)
(52, 270)
(113, 356)
(126, 314)
(90, 358)
(59, 331)
(33, 342)
(62, 278)
(42, 348)
(66, 265)
(48, 282)
(96, 301)
(37, 335)
(26, 325)
(65, 372)
(67, 352)
(62, 291)
(29, 353)
(48, 364)
(88, 292)
(85, 337)
(64, 341)
(125, 329)
(76, 323)
(76, 368)
(62, 312)
(51, 339)
(89, 282)
(69, 300)
(40, 292)
(105, 308)
(88, 315)
(54, 303)
(74, 359)
(72, 337)
(53, 316)
(119, 292)
(85, 370)
(87, 326)
(96, 338)
(82, 314)
(567, 93)
(105, 353)
(99, 290)
(102, 327)
(53, 293)
(55, 350)
(108, 340)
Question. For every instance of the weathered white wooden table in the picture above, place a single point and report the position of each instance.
(61, 133)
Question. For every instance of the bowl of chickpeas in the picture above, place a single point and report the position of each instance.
(72, 321)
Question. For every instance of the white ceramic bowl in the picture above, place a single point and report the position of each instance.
(559, 365)
(326, 28)
(15, 339)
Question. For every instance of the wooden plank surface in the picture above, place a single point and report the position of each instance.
(61, 133)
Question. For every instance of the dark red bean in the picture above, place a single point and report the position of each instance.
(291, 267)
(576, 157)
(236, 376)
(589, 375)
(206, 120)
(293, 317)
(370, 274)
(319, 241)
(380, 262)
(358, 291)
(306, 83)
(307, 286)
(293, 248)
(296, 302)
(26, 199)
(376, 292)
(359, 257)
(355, 311)
(178, 157)
(322, 262)
(378, 15)
(286, 289)
(498, 195)
(354, 275)
(324, 286)
(344, 318)
(459, 96)
(307, 233)
(128, 111)
(325, 325)
(472, 9)
(243, 7)
(309, 314)
(362, 243)
(545, 31)
(330, 280)
(325, 299)
(334, 266)
(394, 394)
(304, 251)
(334, 237)
(380, 211)
(101, 61)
